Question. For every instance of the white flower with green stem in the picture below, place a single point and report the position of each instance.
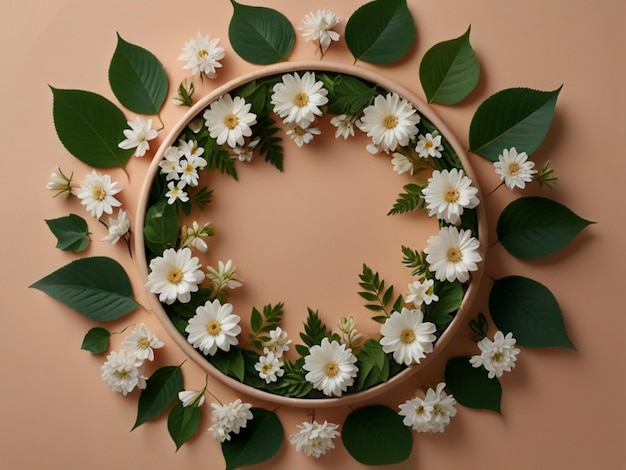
(176, 191)
(97, 194)
(278, 342)
(298, 100)
(345, 125)
(514, 168)
(202, 56)
(189, 169)
(60, 183)
(448, 194)
(497, 356)
(141, 343)
(431, 413)
(407, 336)
(429, 145)
(229, 120)
(421, 292)
(401, 163)
(138, 136)
(313, 438)
(318, 28)
(213, 327)
(193, 236)
(269, 367)
(452, 254)
(118, 227)
(174, 276)
(224, 276)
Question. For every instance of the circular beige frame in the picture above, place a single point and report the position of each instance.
(170, 140)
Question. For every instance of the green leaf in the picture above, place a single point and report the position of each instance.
(161, 226)
(347, 94)
(257, 442)
(375, 435)
(96, 287)
(471, 386)
(161, 389)
(529, 310)
(90, 127)
(271, 145)
(219, 158)
(260, 35)
(533, 227)
(409, 200)
(380, 32)
(137, 78)
(183, 422)
(96, 341)
(449, 71)
(72, 232)
(515, 117)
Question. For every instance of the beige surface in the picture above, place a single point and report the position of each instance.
(561, 409)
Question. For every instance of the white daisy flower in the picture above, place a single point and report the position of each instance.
(429, 146)
(497, 356)
(138, 135)
(431, 413)
(176, 191)
(190, 148)
(514, 168)
(344, 124)
(314, 439)
(448, 193)
(269, 367)
(141, 343)
(229, 120)
(170, 165)
(229, 418)
(245, 152)
(121, 372)
(452, 254)
(422, 293)
(118, 227)
(189, 169)
(174, 275)
(302, 135)
(202, 56)
(318, 28)
(192, 397)
(278, 342)
(401, 163)
(224, 276)
(97, 192)
(407, 336)
(331, 367)
(60, 183)
(390, 121)
(298, 100)
(213, 326)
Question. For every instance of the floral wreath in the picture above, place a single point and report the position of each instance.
(246, 121)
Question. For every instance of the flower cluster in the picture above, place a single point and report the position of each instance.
(270, 364)
(318, 28)
(121, 371)
(229, 418)
(314, 439)
(497, 356)
(431, 413)
(180, 165)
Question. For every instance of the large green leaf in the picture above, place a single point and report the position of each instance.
(449, 71)
(90, 127)
(529, 310)
(183, 422)
(161, 389)
(472, 386)
(380, 32)
(534, 227)
(256, 443)
(260, 35)
(515, 117)
(375, 435)
(72, 232)
(96, 287)
(161, 226)
(137, 78)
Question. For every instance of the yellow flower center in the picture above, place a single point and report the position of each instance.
(514, 169)
(143, 343)
(98, 193)
(189, 169)
(454, 255)
(231, 121)
(301, 99)
(428, 144)
(390, 121)
(452, 195)
(266, 368)
(331, 369)
(299, 131)
(213, 328)
(121, 374)
(203, 53)
(419, 410)
(407, 336)
(497, 357)
(174, 276)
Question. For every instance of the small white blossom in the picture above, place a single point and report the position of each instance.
(452, 254)
(97, 192)
(301, 135)
(422, 293)
(431, 413)
(448, 193)
(174, 275)
(245, 152)
(314, 439)
(344, 124)
(176, 191)
(213, 326)
(269, 367)
(497, 356)
(118, 227)
(331, 367)
(401, 163)
(349, 334)
(230, 418)
(189, 169)
(318, 28)
(141, 343)
(192, 397)
(278, 342)
(229, 120)
(429, 146)
(60, 183)
(297, 100)
(514, 168)
(138, 135)
(224, 276)
(193, 236)
(170, 165)
(202, 56)
(407, 336)
(121, 372)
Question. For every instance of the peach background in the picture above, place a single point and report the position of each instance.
(561, 409)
